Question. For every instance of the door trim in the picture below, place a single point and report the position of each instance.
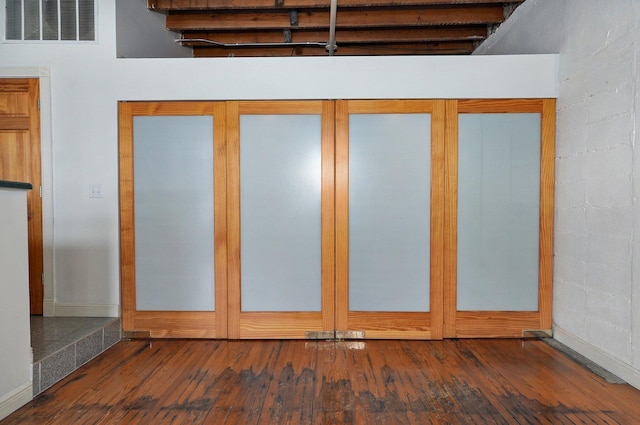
(30, 124)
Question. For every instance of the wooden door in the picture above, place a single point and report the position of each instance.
(389, 218)
(20, 161)
(499, 217)
(173, 219)
(281, 215)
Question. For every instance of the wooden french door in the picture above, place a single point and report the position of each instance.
(20, 161)
(389, 218)
(412, 219)
(499, 217)
(173, 215)
(281, 218)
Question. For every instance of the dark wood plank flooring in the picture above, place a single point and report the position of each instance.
(497, 381)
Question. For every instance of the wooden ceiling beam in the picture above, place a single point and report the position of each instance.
(194, 5)
(395, 35)
(372, 50)
(346, 19)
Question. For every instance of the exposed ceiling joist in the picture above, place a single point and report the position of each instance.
(186, 5)
(362, 27)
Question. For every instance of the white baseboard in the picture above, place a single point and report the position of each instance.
(49, 307)
(86, 310)
(16, 399)
(619, 368)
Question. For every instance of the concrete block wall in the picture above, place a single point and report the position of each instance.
(597, 251)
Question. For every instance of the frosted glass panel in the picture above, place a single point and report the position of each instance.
(498, 211)
(280, 206)
(173, 194)
(389, 212)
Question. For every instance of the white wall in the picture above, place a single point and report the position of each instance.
(80, 129)
(597, 251)
(141, 33)
(15, 357)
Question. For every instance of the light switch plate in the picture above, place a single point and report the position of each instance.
(95, 191)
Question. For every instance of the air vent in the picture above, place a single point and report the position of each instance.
(50, 20)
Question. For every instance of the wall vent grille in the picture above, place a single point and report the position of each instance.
(50, 20)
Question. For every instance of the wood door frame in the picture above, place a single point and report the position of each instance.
(172, 324)
(380, 325)
(31, 124)
(281, 324)
(474, 324)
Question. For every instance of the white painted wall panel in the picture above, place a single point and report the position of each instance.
(15, 357)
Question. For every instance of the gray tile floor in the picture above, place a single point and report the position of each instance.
(63, 344)
(51, 334)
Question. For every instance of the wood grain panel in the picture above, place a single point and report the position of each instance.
(178, 324)
(14, 123)
(391, 106)
(495, 106)
(288, 107)
(495, 324)
(280, 325)
(14, 104)
(393, 325)
(14, 155)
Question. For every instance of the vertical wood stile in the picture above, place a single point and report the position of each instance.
(233, 219)
(220, 215)
(547, 177)
(36, 258)
(328, 216)
(342, 214)
(127, 225)
(450, 219)
(438, 137)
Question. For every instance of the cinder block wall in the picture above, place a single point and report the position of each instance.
(597, 230)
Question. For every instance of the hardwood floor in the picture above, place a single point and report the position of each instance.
(498, 381)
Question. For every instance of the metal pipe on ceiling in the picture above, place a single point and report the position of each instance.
(282, 44)
(331, 45)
